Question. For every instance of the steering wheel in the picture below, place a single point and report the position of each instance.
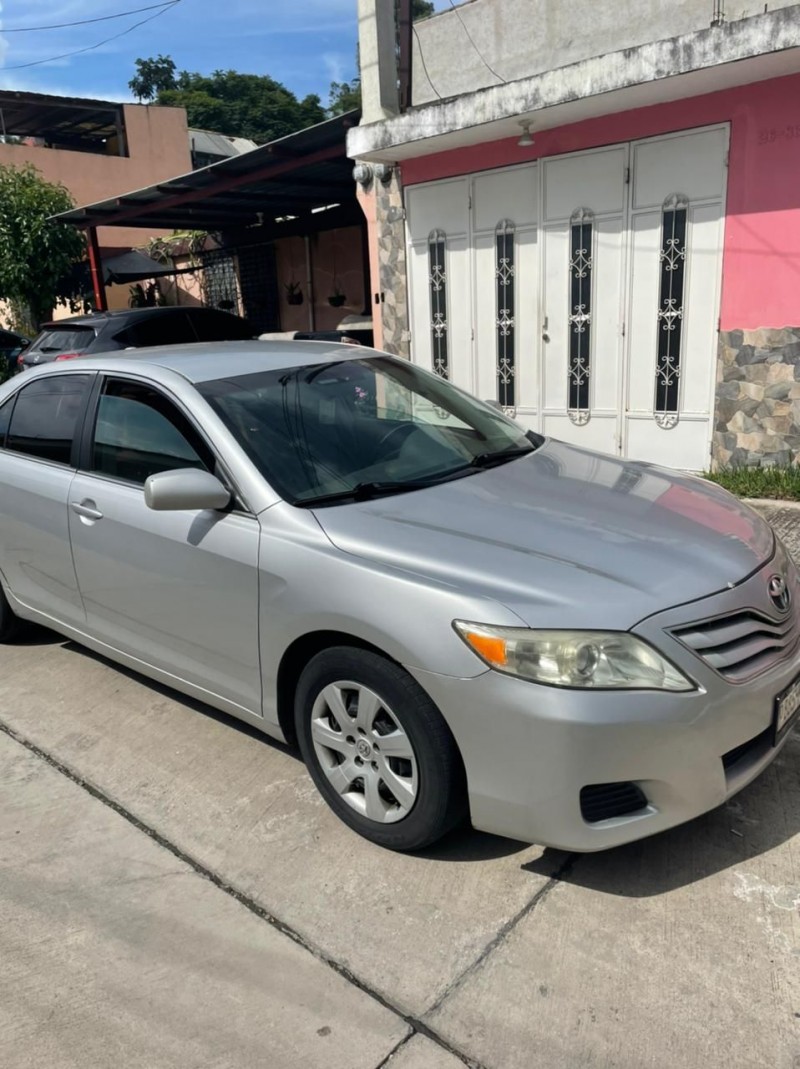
(401, 429)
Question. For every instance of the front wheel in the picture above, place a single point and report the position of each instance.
(378, 749)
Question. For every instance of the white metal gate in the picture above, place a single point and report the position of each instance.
(581, 291)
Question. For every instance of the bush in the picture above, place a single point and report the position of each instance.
(781, 483)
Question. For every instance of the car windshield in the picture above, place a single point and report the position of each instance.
(360, 428)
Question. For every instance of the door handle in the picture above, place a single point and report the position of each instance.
(86, 510)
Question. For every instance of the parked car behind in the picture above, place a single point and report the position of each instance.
(450, 614)
(131, 328)
(11, 345)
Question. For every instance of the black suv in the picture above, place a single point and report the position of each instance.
(132, 328)
(11, 345)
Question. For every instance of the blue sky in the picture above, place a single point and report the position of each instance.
(305, 44)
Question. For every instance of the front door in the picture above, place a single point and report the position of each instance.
(176, 590)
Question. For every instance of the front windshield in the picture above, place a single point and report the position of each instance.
(357, 428)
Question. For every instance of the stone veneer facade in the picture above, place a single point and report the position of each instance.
(392, 265)
(757, 418)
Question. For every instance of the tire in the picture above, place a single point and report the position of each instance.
(404, 799)
(10, 625)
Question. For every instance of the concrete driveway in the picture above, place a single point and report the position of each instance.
(173, 892)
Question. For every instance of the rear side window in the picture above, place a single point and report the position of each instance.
(217, 326)
(46, 415)
(169, 329)
(139, 432)
(64, 340)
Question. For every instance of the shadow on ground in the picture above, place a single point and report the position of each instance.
(760, 818)
(464, 844)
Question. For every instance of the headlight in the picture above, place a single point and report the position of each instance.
(582, 659)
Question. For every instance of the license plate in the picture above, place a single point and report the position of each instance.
(787, 710)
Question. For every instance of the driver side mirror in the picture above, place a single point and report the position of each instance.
(186, 489)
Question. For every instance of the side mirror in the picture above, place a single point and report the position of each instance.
(186, 489)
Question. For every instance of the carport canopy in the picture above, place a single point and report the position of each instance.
(293, 176)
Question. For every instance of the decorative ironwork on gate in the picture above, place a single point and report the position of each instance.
(580, 314)
(670, 310)
(505, 277)
(219, 284)
(437, 278)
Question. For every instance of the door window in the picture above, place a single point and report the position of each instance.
(46, 415)
(171, 328)
(139, 432)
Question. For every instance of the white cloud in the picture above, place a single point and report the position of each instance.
(335, 65)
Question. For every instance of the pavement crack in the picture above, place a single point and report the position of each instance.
(416, 1025)
(397, 1047)
(564, 870)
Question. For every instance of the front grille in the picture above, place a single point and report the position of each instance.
(602, 801)
(741, 645)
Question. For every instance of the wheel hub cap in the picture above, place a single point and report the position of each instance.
(364, 752)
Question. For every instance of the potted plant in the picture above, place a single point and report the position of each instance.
(294, 295)
(337, 298)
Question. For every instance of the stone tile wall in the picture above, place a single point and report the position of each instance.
(757, 418)
(392, 264)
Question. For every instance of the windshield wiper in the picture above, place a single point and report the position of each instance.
(486, 460)
(368, 491)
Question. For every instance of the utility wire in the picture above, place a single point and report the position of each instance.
(85, 22)
(99, 44)
(424, 65)
(481, 56)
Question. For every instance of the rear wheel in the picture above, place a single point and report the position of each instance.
(10, 625)
(378, 749)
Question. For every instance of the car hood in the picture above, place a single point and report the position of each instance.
(564, 537)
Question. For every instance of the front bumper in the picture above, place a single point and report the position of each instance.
(529, 749)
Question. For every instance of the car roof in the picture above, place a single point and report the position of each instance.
(97, 318)
(205, 361)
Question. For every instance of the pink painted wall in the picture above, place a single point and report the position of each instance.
(158, 147)
(761, 269)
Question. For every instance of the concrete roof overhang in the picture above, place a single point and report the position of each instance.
(706, 61)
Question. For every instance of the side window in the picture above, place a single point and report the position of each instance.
(211, 325)
(5, 416)
(139, 432)
(46, 415)
(173, 328)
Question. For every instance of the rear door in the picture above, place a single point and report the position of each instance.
(39, 426)
(176, 590)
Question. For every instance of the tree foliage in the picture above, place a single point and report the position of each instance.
(241, 105)
(346, 96)
(36, 255)
(153, 76)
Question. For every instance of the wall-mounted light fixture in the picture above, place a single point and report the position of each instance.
(362, 173)
(526, 140)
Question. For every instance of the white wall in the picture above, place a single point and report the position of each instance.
(519, 38)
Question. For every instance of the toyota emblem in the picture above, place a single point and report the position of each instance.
(779, 593)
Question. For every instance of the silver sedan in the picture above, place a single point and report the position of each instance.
(451, 616)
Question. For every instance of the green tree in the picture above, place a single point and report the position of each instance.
(241, 105)
(153, 76)
(346, 96)
(36, 255)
